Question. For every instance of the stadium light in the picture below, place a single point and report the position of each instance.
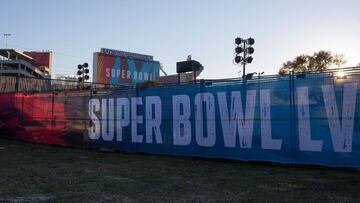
(244, 47)
(6, 35)
(83, 72)
(250, 50)
(239, 50)
(250, 41)
(238, 59)
(238, 41)
(249, 59)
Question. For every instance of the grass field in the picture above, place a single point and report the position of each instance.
(34, 172)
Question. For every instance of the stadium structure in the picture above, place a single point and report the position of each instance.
(30, 64)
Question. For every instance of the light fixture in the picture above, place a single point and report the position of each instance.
(239, 50)
(249, 59)
(83, 72)
(238, 41)
(250, 41)
(6, 35)
(250, 50)
(243, 47)
(238, 59)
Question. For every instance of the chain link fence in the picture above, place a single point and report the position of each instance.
(10, 84)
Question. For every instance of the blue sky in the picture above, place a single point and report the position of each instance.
(171, 30)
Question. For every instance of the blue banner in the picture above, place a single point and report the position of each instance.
(305, 120)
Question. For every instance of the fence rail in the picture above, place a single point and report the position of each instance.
(10, 84)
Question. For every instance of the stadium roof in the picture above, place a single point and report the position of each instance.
(14, 55)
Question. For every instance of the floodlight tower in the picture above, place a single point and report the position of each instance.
(82, 73)
(6, 35)
(244, 46)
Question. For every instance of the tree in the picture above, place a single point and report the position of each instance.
(319, 61)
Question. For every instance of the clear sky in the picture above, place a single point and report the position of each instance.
(172, 29)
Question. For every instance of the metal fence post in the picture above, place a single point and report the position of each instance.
(17, 84)
(202, 85)
(52, 112)
(90, 141)
(292, 113)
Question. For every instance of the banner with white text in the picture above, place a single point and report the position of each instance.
(303, 119)
(300, 121)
